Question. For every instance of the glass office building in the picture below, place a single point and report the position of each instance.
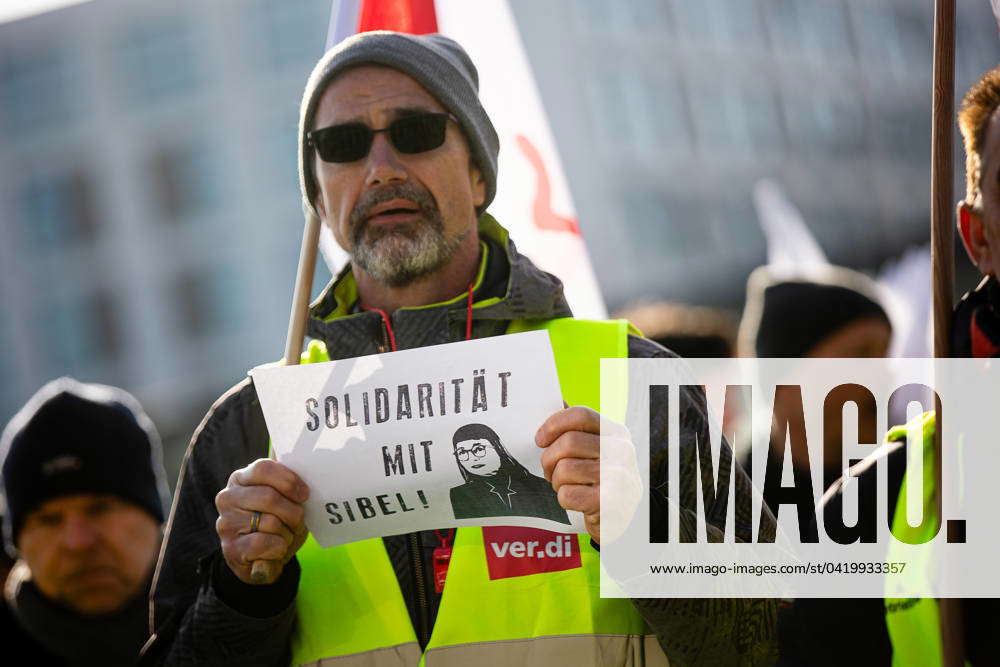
(149, 206)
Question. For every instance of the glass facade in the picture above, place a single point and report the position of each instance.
(124, 137)
(276, 31)
(689, 104)
(185, 179)
(157, 59)
(39, 88)
(57, 209)
(81, 331)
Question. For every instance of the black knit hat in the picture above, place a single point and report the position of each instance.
(786, 316)
(75, 438)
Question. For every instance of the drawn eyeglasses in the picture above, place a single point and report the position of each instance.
(463, 454)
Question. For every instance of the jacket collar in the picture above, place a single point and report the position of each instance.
(110, 639)
(524, 292)
(975, 328)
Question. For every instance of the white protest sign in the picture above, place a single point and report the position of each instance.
(419, 439)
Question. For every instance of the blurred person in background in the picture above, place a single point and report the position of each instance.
(907, 631)
(689, 331)
(833, 313)
(85, 498)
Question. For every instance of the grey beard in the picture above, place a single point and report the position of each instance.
(400, 255)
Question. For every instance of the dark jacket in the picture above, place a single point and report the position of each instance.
(56, 635)
(527, 496)
(15, 640)
(813, 631)
(203, 615)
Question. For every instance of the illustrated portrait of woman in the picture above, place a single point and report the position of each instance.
(496, 484)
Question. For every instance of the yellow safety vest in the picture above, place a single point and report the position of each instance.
(351, 610)
(914, 623)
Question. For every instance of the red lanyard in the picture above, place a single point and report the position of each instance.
(441, 558)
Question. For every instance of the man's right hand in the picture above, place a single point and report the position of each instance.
(272, 489)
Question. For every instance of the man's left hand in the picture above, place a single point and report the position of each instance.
(571, 439)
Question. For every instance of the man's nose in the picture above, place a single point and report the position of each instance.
(78, 533)
(383, 162)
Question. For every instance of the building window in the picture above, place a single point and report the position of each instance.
(192, 304)
(58, 209)
(206, 300)
(185, 181)
(897, 38)
(664, 107)
(290, 33)
(698, 22)
(721, 117)
(904, 132)
(670, 226)
(605, 93)
(279, 147)
(816, 27)
(724, 24)
(594, 15)
(743, 21)
(82, 330)
(157, 61)
(825, 122)
(39, 90)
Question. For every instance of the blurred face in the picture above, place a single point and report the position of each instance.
(400, 216)
(867, 338)
(90, 552)
(478, 457)
(979, 225)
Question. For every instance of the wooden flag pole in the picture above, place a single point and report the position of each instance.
(942, 173)
(262, 570)
(303, 289)
(943, 267)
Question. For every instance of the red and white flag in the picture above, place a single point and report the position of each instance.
(533, 200)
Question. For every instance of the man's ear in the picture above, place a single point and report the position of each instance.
(478, 185)
(973, 232)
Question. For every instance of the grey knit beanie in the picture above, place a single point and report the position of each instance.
(437, 63)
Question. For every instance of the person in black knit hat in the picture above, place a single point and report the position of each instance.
(799, 315)
(828, 311)
(84, 500)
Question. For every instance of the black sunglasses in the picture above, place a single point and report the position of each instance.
(352, 141)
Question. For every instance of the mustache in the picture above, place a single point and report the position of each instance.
(409, 191)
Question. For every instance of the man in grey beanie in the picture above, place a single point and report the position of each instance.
(399, 159)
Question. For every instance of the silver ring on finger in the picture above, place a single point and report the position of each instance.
(254, 521)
